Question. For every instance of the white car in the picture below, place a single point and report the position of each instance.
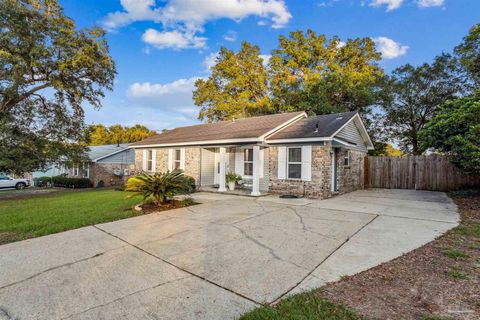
(8, 182)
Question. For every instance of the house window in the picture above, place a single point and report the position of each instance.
(76, 171)
(248, 162)
(346, 159)
(86, 170)
(176, 159)
(150, 160)
(294, 163)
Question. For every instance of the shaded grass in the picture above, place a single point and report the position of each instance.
(305, 306)
(41, 215)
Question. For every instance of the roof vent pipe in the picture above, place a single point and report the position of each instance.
(316, 127)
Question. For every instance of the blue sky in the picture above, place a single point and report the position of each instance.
(161, 47)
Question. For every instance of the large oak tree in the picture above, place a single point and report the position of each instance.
(306, 72)
(48, 70)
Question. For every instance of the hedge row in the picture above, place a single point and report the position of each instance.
(60, 181)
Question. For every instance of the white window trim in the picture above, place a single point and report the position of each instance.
(149, 161)
(86, 169)
(175, 160)
(346, 157)
(243, 154)
(76, 171)
(290, 162)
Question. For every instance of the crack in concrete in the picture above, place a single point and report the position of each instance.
(307, 229)
(5, 314)
(57, 267)
(123, 297)
(270, 250)
(323, 260)
(180, 268)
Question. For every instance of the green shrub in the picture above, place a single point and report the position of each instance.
(42, 181)
(191, 183)
(160, 186)
(64, 182)
(232, 177)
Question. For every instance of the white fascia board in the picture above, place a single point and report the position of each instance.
(316, 139)
(284, 125)
(197, 143)
(344, 142)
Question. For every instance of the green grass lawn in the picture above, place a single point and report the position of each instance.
(305, 306)
(24, 218)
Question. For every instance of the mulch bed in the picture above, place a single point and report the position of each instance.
(440, 280)
(151, 207)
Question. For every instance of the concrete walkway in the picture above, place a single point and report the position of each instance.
(215, 260)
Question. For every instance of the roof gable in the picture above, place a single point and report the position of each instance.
(314, 127)
(100, 152)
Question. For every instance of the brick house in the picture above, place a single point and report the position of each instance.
(113, 164)
(287, 153)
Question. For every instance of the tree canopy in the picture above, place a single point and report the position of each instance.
(455, 130)
(469, 54)
(98, 134)
(413, 95)
(312, 73)
(237, 87)
(48, 70)
(306, 72)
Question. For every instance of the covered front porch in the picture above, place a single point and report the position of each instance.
(247, 161)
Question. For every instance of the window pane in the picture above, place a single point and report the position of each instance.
(248, 155)
(295, 155)
(176, 165)
(149, 165)
(177, 155)
(294, 171)
(150, 155)
(248, 168)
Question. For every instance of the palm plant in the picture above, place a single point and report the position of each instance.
(160, 186)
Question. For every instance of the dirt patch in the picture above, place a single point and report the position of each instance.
(440, 280)
(7, 237)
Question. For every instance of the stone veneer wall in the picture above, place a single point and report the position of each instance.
(319, 187)
(349, 178)
(192, 161)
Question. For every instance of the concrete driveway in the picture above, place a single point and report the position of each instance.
(215, 260)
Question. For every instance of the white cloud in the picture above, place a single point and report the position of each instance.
(430, 3)
(230, 36)
(173, 39)
(390, 4)
(184, 19)
(165, 103)
(210, 60)
(389, 48)
(134, 10)
(149, 90)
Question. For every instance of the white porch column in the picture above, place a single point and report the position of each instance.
(256, 171)
(221, 177)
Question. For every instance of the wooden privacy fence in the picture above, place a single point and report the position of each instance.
(432, 172)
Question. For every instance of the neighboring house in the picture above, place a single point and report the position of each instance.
(287, 153)
(112, 164)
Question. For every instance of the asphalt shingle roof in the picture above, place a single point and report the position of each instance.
(328, 124)
(95, 152)
(253, 127)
